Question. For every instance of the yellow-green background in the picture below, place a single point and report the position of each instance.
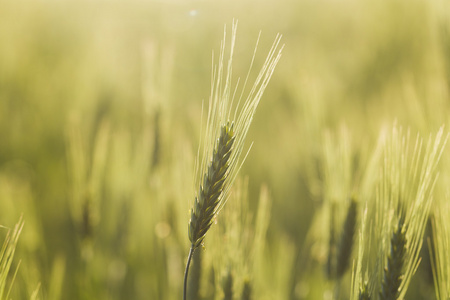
(102, 100)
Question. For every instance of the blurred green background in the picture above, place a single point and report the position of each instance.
(100, 109)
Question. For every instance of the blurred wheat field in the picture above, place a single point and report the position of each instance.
(101, 109)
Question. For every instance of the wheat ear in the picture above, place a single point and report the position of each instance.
(221, 158)
(209, 196)
(393, 272)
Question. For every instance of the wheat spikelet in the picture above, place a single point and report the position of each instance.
(393, 272)
(209, 196)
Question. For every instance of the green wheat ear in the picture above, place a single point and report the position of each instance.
(393, 272)
(208, 200)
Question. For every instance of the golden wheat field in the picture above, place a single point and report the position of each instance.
(225, 150)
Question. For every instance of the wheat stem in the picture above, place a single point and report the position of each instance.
(191, 252)
(193, 291)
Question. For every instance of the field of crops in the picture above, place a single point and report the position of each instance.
(117, 149)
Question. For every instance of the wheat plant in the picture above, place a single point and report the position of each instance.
(399, 214)
(225, 134)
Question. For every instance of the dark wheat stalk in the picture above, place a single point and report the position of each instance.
(246, 290)
(345, 247)
(193, 291)
(227, 286)
(364, 292)
(331, 260)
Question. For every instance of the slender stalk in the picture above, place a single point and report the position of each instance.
(191, 252)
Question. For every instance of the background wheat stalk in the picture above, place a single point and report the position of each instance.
(224, 141)
(345, 247)
(393, 272)
(399, 213)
